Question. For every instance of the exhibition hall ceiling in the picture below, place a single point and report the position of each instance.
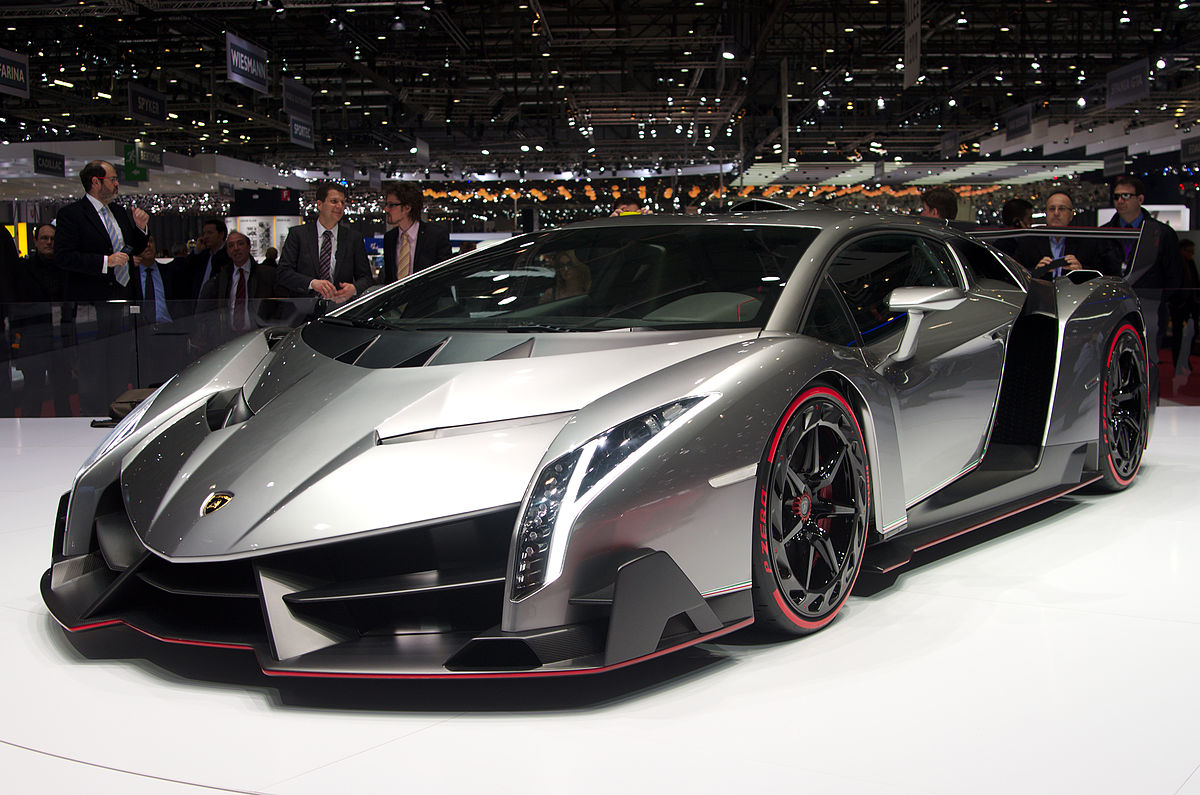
(591, 85)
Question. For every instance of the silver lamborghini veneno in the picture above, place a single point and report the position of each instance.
(579, 449)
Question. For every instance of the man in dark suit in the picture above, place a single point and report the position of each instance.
(323, 257)
(204, 263)
(1158, 266)
(93, 245)
(96, 237)
(1051, 257)
(237, 291)
(423, 243)
(162, 344)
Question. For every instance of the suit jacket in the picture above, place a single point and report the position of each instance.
(215, 293)
(188, 273)
(433, 246)
(261, 284)
(1166, 270)
(298, 262)
(80, 245)
(171, 291)
(1090, 254)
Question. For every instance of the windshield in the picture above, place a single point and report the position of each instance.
(683, 276)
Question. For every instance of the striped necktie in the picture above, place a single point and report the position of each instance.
(326, 271)
(110, 225)
(403, 257)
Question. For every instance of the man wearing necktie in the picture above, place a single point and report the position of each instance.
(95, 236)
(206, 261)
(324, 257)
(411, 244)
(150, 289)
(238, 291)
(161, 348)
(1152, 265)
(1051, 257)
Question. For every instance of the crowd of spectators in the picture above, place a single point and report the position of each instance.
(95, 273)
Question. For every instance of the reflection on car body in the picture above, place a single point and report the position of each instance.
(452, 476)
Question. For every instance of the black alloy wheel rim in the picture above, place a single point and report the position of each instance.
(1126, 406)
(817, 508)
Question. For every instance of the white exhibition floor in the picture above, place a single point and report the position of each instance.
(1059, 653)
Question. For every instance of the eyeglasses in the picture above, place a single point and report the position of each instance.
(1119, 196)
(392, 205)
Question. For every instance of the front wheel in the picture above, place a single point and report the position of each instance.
(1124, 410)
(813, 511)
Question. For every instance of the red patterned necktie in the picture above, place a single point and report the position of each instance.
(239, 302)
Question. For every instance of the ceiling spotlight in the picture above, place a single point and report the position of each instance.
(953, 102)
(727, 55)
(962, 17)
(879, 103)
(1160, 64)
(1125, 17)
(1081, 102)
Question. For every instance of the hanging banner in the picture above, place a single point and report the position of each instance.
(1114, 163)
(133, 172)
(949, 145)
(1018, 122)
(300, 132)
(297, 99)
(912, 42)
(49, 163)
(147, 156)
(14, 74)
(147, 105)
(1128, 84)
(246, 63)
(1189, 151)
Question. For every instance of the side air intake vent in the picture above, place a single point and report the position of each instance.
(227, 407)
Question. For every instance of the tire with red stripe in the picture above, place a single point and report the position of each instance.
(812, 513)
(1124, 409)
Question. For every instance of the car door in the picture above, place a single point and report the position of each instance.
(945, 394)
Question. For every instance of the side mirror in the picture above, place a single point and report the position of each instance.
(917, 302)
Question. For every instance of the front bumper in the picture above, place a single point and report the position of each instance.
(415, 603)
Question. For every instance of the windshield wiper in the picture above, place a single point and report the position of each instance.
(536, 327)
(370, 323)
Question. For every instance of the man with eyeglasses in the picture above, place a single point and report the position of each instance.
(96, 236)
(93, 245)
(1051, 257)
(411, 244)
(1150, 277)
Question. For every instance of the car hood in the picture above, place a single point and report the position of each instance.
(336, 448)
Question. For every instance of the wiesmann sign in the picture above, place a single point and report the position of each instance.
(246, 63)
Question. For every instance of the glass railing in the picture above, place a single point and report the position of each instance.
(75, 360)
(67, 359)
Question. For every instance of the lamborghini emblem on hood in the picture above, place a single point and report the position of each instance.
(215, 501)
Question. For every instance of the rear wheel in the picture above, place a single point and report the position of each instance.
(1124, 409)
(814, 492)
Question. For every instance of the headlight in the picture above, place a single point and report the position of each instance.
(122, 431)
(566, 485)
